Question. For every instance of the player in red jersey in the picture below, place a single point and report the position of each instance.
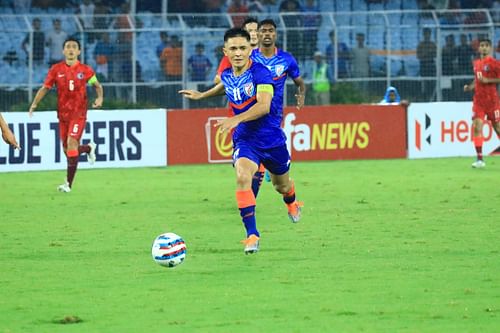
(7, 134)
(485, 105)
(70, 78)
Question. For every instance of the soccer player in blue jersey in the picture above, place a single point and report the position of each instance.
(281, 64)
(257, 137)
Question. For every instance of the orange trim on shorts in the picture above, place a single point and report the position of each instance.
(245, 198)
(72, 153)
(478, 141)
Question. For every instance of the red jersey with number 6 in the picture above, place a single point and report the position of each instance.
(485, 95)
(71, 85)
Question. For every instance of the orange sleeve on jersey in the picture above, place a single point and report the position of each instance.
(223, 65)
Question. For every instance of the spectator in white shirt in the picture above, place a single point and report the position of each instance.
(55, 40)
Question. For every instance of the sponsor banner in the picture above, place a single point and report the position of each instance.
(444, 130)
(313, 133)
(219, 144)
(124, 138)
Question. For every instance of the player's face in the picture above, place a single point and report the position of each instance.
(238, 50)
(251, 28)
(392, 96)
(71, 50)
(267, 35)
(484, 48)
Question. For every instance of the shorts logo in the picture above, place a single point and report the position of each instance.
(249, 89)
(235, 154)
(79, 76)
(279, 70)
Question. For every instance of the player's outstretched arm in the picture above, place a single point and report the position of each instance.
(217, 90)
(40, 94)
(483, 79)
(100, 94)
(301, 92)
(7, 134)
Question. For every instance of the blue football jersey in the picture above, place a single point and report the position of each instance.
(282, 64)
(241, 91)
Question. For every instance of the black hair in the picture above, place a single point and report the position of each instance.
(485, 40)
(267, 22)
(236, 32)
(250, 20)
(72, 39)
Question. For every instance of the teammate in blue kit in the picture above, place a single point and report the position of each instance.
(257, 137)
(281, 64)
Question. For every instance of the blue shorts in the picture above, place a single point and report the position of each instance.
(276, 160)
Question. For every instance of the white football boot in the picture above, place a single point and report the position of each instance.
(91, 155)
(478, 164)
(64, 188)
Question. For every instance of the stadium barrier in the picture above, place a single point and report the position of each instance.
(314, 133)
(155, 137)
(124, 138)
(445, 130)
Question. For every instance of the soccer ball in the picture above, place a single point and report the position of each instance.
(168, 250)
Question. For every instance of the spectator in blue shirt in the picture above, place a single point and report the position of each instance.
(343, 57)
(198, 64)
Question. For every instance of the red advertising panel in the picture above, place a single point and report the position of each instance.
(314, 133)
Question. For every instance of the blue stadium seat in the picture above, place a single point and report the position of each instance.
(412, 66)
(359, 5)
(393, 4)
(396, 66)
(409, 4)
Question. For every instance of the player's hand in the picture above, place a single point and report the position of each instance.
(31, 110)
(191, 94)
(9, 138)
(97, 103)
(467, 87)
(226, 124)
(300, 100)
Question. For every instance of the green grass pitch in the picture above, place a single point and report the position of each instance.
(383, 246)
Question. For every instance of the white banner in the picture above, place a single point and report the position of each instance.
(445, 130)
(124, 138)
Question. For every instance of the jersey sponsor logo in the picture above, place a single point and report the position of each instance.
(60, 75)
(249, 89)
(279, 69)
(79, 76)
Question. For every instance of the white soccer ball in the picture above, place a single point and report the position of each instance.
(168, 250)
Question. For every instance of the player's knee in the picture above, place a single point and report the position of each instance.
(282, 188)
(243, 179)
